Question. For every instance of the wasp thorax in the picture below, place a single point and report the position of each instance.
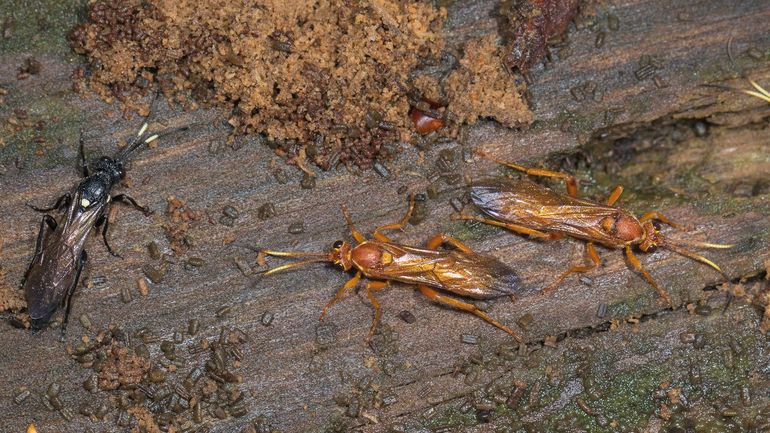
(628, 228)
(623, 226)
(367, 255)
(94, 188)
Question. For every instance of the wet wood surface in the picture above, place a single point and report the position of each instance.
(295, 367)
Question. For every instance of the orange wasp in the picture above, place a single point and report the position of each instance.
(529, 208)
(459, 271)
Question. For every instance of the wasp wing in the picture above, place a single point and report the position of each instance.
(532, 205)
(49, 279)
(465, 274)
(54, 270)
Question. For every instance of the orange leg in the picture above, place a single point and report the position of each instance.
(568, 179)
(447, 300)
(655, 215)
(370, 287)
(351, 283)
(353, 230)
(512, 227)
(595, 261)
(614, 195)
(395, 226)
(637, 265)
(442, 238)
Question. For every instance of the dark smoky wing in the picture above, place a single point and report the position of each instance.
(477, 276)
(492, 197)
(50, 279)
(54, 272)
(502, 279)
(492, 277)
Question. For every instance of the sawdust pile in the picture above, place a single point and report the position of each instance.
(334, 80)
(122, 368)
(480, 88)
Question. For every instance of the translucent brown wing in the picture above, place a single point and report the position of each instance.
(466, 274)
(531, 205)
(50, 277)
(55, 267)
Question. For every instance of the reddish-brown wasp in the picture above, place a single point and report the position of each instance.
(529, 208)
(459, 271)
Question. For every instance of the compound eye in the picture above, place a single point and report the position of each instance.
(656, 225)
(337, 245)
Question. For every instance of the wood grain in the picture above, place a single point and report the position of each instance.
(292, 378)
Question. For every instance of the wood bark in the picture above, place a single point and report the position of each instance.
(644, 133)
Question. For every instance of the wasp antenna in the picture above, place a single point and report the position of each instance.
(759, 88)
(292, 253)
(291, 265)
(697, 257)
(698, 244)
(142, 130)
(138, 142)
(760, 93)
(711, 245)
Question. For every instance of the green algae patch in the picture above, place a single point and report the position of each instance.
(48, 135)
(39, 26)
(471, 230)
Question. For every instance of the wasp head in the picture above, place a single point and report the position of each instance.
(652, 237)
(113, 168)
(340, 255)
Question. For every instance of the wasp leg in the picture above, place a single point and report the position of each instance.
(442, 238)
(512, 227)
(614, 195)
(637, 265)
(370, 286)
(104, 219)
(61, 203)
(47, 223)
(82, 155)
(68, 298)
(655, 215)
(443, 299)
(353, 230)
(395, 226)
(351, 283)
(569, 180)
(595, 261)
(122, 198)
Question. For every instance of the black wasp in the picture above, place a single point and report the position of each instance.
(52, 277)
